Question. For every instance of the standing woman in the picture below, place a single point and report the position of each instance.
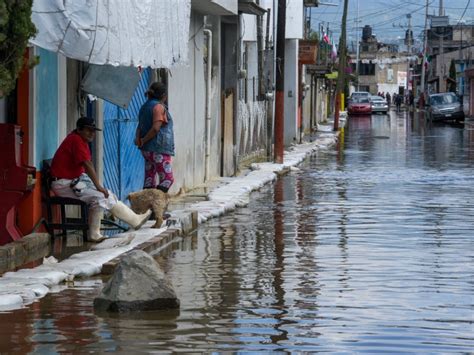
(155, 138)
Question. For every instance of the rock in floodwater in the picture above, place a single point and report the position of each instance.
(138, 284)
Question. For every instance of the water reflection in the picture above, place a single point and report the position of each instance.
(367, 249)
(279, 267)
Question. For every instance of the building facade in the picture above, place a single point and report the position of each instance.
(221, 100)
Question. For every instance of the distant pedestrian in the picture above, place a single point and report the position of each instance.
(421, 101)
(398, 102)
(388, 98)
(155, 138)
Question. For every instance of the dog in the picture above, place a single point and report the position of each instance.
(154, 199)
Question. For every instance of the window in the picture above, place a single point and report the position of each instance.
(364, 68)
(367, 69)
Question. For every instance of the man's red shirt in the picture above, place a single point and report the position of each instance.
(69, 158)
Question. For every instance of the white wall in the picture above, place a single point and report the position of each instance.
(249, 23)
(294, 19)
(252, 69)
(291, 91)
(187, 99)
(321, 100)
(249, 27)
(306, 107)
(251, 115)
(216, 124)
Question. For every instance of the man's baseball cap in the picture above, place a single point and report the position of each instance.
(86, 122)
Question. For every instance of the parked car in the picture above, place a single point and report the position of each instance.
(359, 94)
(379, 104)
(445, 106)
(360, 106)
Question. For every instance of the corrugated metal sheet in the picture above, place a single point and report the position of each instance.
(123, 163)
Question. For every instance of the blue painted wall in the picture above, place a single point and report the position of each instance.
(123, 162)
(46, 108)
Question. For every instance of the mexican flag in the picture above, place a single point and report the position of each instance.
(426, 60)
(333, 52)
(326, 38)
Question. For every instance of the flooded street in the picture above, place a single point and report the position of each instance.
(368, 248)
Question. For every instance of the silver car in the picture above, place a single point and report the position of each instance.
(445, 106)
(379, 104)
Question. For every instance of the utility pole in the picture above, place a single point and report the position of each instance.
(280, 83)
(441, 62)
(409, 43)
(357, 44)
(423, 67)
(342, 67)
(327, 49)
(261, 87)
(269, 79)
(441, 85)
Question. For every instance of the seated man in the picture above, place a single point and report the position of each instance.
(74, 176)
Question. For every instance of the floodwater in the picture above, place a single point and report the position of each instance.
(369, 248)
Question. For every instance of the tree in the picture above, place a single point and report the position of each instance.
(16, 28)
(452, 77)
(313, 35)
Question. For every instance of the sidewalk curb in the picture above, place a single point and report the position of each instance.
(236, 193)
(24, 250)
(182, 224)
(149, 246)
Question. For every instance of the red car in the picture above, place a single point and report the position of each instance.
(361, 106)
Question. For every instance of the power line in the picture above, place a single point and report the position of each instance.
(376, 15)
(464, 12)
(401, 16)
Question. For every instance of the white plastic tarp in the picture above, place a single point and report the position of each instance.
(136, 33)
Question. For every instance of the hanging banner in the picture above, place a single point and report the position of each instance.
(390, 75)
(402, 78)
(388, 60)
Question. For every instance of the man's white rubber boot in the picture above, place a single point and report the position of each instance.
(95, 216)
(124, 213)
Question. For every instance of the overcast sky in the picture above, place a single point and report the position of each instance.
(387, 17)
